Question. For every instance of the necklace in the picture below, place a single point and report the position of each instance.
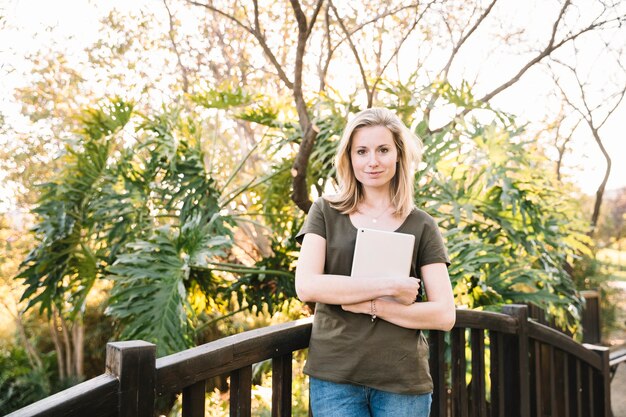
(375, 218)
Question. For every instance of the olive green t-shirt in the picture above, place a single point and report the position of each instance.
(349, 347)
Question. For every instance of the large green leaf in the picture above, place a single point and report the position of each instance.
(149, 294)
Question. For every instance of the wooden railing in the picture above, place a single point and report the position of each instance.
(490, 364)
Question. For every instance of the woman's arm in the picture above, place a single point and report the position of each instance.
(438, 313)
(312, 285)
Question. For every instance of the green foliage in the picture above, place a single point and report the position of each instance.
(21, 383)
(150, 295)
(223, 98)
(270, 282)
(109, 207)
(106, 119)
(496, 206)
(66, 249)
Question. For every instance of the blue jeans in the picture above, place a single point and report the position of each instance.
(331, 399)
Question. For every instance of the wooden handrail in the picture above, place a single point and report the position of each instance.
(174, 372)
(101, 392)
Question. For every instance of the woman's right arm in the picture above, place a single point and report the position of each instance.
(312, 285)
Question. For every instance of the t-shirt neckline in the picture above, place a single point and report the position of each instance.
(406, 219)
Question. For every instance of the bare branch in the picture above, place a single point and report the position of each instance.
(332, 50)
(316, 11)
(257, 33)
(465, 37)
(224, 14)
(547, 51)
(323, 69)
(175, 46)
(397, 50)
(355, 53)
(594, 127)
(551, 47)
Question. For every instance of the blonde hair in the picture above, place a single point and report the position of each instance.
(409, 149)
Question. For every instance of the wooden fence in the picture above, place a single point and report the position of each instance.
(490, 364)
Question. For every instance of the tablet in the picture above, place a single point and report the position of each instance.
(380, 253)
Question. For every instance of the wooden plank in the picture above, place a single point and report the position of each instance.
(496, 344)
(133, 364)
(96, 397)
(602, 382)
(438, 363)
(281, 386)
(459, 367)
(578, 385)
(560, 393)
(241, 392)
(544, 354)
(535, 378)
(567, 394)
(479, 400)
(174, 372)
(590, 320)
(487, 320)
(552, 381)
(194, 399)
(517, 364)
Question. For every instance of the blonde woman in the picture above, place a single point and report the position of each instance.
(367, 354)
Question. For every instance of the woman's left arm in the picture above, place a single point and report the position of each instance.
(438, 313)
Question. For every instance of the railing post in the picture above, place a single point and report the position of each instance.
(590, 320)
(516, 364)
(281, 385)
(438, 371)
(602, 381)
(133, 363)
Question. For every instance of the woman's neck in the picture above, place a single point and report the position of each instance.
(376, 198)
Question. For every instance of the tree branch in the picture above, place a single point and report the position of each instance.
(551, 47)
(258, 35)
(355, 53)
(397, 50)
(331, 50)
(594, 127)
(175, 46)
(465, 37)
(444, 72)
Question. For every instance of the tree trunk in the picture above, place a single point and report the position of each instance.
(78, 339)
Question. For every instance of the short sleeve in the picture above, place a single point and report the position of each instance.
(315, 221)
(432, 249)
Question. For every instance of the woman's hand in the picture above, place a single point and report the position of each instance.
(406, 290)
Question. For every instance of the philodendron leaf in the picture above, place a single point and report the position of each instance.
(149, 295)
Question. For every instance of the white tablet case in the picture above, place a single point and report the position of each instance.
(379, 253)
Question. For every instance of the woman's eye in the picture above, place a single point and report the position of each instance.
(360, 152)
(384, 150)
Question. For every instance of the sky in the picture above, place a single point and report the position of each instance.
(79, 20)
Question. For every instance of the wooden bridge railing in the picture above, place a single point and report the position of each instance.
(490, 364)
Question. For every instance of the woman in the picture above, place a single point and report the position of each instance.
(367, 355)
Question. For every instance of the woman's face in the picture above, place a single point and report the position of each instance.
(374, 155)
